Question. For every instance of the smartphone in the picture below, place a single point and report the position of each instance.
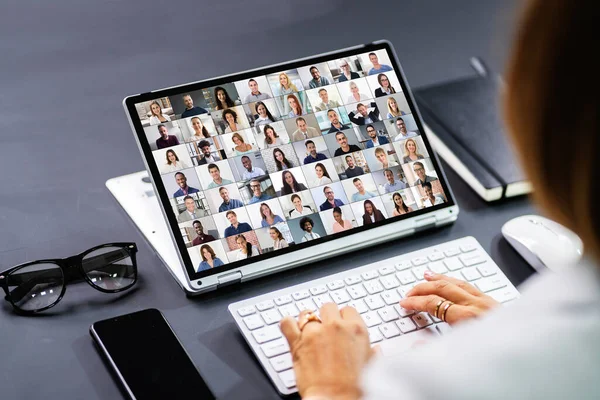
(147, 357)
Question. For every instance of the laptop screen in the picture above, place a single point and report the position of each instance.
(265, 164)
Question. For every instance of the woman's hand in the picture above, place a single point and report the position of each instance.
(468, 301)
(329, 355)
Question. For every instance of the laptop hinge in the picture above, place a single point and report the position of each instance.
(425, 223)
(229, 279)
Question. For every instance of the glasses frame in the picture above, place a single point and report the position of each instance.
(72, 271)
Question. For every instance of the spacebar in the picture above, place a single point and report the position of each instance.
(406, 342)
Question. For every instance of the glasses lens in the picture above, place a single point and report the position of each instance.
(35, 286)
(110, 268)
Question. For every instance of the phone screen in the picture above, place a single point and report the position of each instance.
(148, 357)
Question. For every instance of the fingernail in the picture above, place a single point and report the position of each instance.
(428, 274)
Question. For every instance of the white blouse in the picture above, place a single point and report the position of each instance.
(176, 166)
(545, 345)
(322, 181)
(155, 121)
(242, 256)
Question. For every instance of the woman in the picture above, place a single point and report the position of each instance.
(347, 74)
(157, 115)
(285, 85)
(222, 99)
(290, 184)
(299, 209)
(200, 131)
(340, 224)
(241, 147)
(393, 109)
(323, 177)
(411, 151)
(295, 106)
(278, 241)
(355, 97)
(209, 259)
(372, 214)
(272, 139)
(268, 218)
(173, 164)
(399, 207)
(264, 115)
(281, 161)
(545, 344)
(385, 87)
(247, 249)
(231, 119)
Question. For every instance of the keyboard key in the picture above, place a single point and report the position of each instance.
(357, 291)
(418, 272)
(371, 319)
(419, 261)
(253, 322)
(402, 311)
(503, 295)
(374, 302)
(375, 335)
(405, 277)
(289, 309)
(339, 296)
(432, 330)
(443, 328)
(468, 247)
(438, 267)
(453, 263)
(245, 311)
(455, 275)
(353, 280)
(470, 274)
(282, 362)
(486, 269)
(386, 270)
(306, 304)
(335, 285)
(435, 319)
(373, 286)
(266, 334)
(265, 305)
(318, 290)
(359, 305)
(402, 265)
(281, 300)
(301, 294)
(403, 290)
(369, 275)
(389, 330)
(271, 316)
(288, 378)
(473, 259)
(406, 325)
(390, 297)
(422, 320)
(388, 314)
(275, 347)
(436, 256)
(322, 299)
(491, 283)
(389, 282)
(451, 252)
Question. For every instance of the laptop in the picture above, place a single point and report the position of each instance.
(273, 168)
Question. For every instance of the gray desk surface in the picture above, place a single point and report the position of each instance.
(65, 68)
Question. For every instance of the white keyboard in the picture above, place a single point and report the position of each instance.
(374, 290)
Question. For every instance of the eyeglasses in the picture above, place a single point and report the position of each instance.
(254, 186)
(418, 169)
(39, 285)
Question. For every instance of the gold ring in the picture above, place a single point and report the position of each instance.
(310, 317)
(437, 307)
(445, 310)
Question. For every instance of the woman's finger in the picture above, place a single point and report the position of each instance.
(329, 312)
(350, 314)
(442, 288)
(427, 303)
(289, 328)
(432, 276)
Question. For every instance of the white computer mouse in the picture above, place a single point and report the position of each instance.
(543, 243)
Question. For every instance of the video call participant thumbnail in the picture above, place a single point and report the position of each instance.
(247, 249)
(206, 157)
(361, 193)
(399, 206)
(325, 103)
(340, 223)
(165, 140)
(364, 115)
(209, 259)
(157, 115)
(217, 181)
(222, 99)
(263, 113)
(268, 218)
(257, 192)
(278, 240)
(272, 139)
(419, 169)
(411, 151)
(353, 170)
(190, 109)
(430, 199)
(184, 189)
(331, 201)
(385, 88)
(304, 131)
(250, 171)
(347, 74)
(375, 140)
(255, 93)
(299, 209)
(307, 225)
(191, 212)
(173, 163)
(317, 80)
(336, 125)
(372, 214)
(377, 68)
(200, 131)
(202, 237)
(313, 156)
(382, 158)
(344, 148)
(236, 227)
(291, 184)
(403, 133)
(392, 184)
(228, 203)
